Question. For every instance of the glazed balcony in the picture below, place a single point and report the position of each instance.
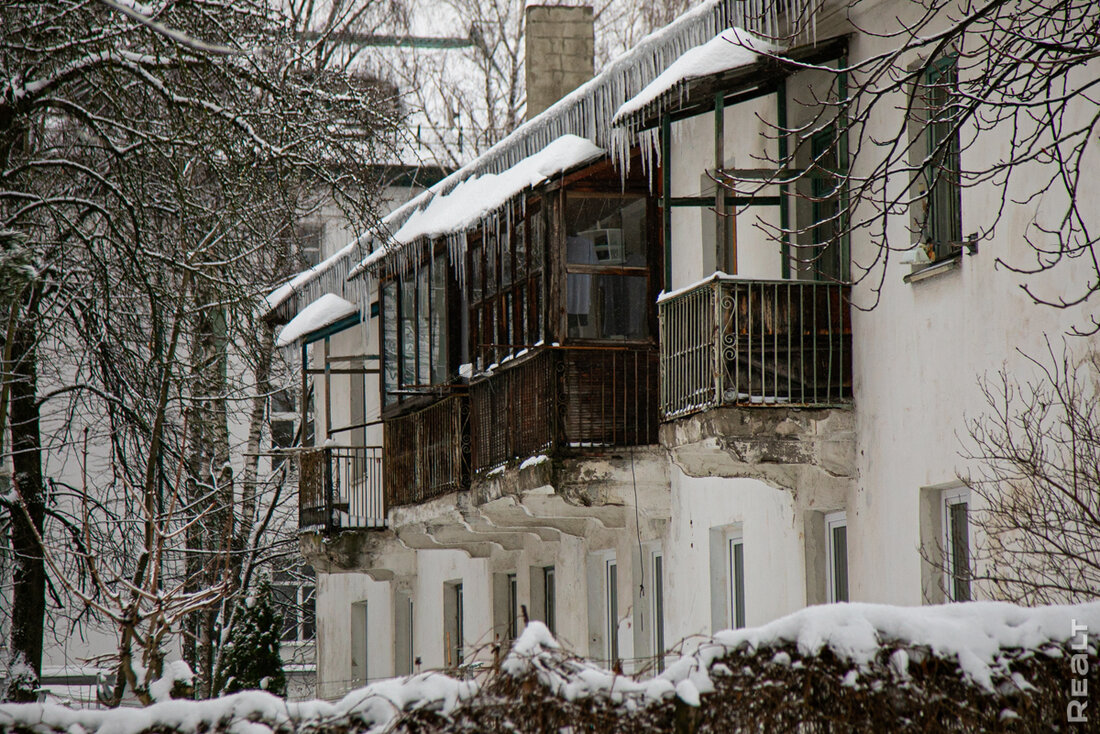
(564, 398)
(340, 488)
(731, 342)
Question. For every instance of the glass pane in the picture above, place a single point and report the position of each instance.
(519, 244)
(439, 322)
(840, 563)
(522, 309)
(505, 262)
(612, 612)
(538, 237)
(390, 351)
(491, 276)
(408, 332)
(508, 322)
(423, 327)
(960, 553)
(475, 274)
(606, 230)
(549, 595)
(607, 306)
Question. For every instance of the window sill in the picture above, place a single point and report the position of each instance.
(933, 269)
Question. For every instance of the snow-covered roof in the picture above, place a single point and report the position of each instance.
(586, 112)
(325, 311)
(463, 206)
(733, 48)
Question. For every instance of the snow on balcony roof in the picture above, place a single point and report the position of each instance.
(325, 311)
(464, 205)
(731, 49)
(586, 112)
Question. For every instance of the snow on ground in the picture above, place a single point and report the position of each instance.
(730, 49)
(326, 310)
(978, 636)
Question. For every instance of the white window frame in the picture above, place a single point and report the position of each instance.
(952, 498)
(657, 606)
(611, 606)
(735, 580)
(833, 520)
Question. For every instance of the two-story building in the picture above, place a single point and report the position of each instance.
(578, 380)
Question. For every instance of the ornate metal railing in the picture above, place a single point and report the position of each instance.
(426, 452)
(564, 397)
(340, 487)
(741, 342)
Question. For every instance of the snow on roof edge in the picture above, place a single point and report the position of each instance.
(325, 311)
(731, 49)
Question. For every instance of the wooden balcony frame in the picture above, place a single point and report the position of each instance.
(426, 452)
(559, 399)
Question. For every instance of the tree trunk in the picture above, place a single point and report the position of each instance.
(29, 578)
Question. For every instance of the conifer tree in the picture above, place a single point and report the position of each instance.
(252, 656)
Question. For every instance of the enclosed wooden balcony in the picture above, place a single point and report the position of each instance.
(564, 398)
(426, 452)
(739, 342)
(340, 488)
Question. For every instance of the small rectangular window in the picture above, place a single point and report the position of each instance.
(612, 599)
(737, 581)
(836, 554)
(513, 608)
(453, 624)
(956, 535)
(659, 610)
(549, 599)
(936, 155)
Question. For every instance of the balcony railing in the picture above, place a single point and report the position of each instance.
(739, 342)
(564, 397)
(340, 487)
(426, 452)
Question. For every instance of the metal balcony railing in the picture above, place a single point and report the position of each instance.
(564, 398)
(340, 487)
(740, 342)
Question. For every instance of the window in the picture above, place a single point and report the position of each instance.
(513, 607)
(659, 609)
(956, 536)
(415, 330)
(544, 596)
(937, 151)
(308, 237)
(611, 599)
(403, 633)
(360, 642)
(294, 594)
(607, 266)
(549, 596)
(736, 577)
(829, 258)
(506, 286)
(836, 555)
(452, 624)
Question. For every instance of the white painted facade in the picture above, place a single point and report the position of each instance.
(884, 460)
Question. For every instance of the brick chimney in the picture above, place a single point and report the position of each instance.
(561, 43)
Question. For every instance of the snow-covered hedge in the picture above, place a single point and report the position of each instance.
(846, 667)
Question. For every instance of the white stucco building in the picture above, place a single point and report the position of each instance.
(542, 395)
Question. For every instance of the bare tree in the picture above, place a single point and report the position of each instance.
(151, 158)
(1036, 459)
(956, 71)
